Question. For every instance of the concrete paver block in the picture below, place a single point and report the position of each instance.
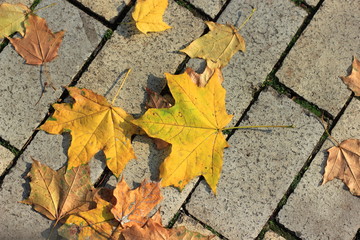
(267, 34)
(21, 83)
(6, 156)
(258, 168)
(312, 2)
(106, 8)
(211, 8)
(322, 53)
(194, 226)
(327, 211)
(149, 56)
(270, 235)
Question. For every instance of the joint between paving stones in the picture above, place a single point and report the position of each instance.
(194, 10)
(304, 5)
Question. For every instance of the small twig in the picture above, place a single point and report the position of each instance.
(247, 19)
(270, 126)
(121, 85)
(50, 5)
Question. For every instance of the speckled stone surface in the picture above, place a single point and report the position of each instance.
(323, 53)
(194, 226)
(267, 34)
(270, 235)
(21, 83)
(6, 156)
(327, 211)
(211, 8)
(109, 9)
(258, 168)
(312, 2)
(149, 56)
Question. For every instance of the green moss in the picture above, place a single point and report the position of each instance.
(7, 145)
(309, 106)
(108, 34)
(35, 3)
(173, 220)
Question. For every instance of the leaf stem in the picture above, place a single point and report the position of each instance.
(121, 85)
(50, 5)
(270, 126)
(247, 19)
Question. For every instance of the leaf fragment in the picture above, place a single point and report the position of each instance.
(12, 19)
(57, 194)
(217, 46)
(194, 128)
(344, 163)
(94, 125)
(353, 80)
(39, 45)
(148, 15)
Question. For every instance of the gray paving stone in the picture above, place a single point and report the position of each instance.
(6, 156)
(20, 83)
(192, 225)
(270, 235)
(258, 168)
(267, 35)
(327, 211)
(149, 56)
(146, 166)
(211, 8)
(106, 8)
(323, 53)
(312, 2)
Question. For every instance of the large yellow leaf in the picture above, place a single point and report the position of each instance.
(148, 15)
(344, 163)
(57, 194)
(94, 125)
(194, 128)
(218, 46)
(12, 18)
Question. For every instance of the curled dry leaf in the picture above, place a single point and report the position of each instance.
(344, 163)
(115, 211)
(39, 45)
(12, 19)
(353, 80)
(202, 79)
(148, 15)
(94, 125)
(194, 128)
(57, 194)
(218, 46)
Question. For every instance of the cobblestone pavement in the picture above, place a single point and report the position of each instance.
(270, 182)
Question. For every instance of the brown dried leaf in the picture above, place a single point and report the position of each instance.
(344, 163)
(39, 45)
(202, 79)
(353, 80)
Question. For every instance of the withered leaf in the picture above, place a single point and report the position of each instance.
(353, 80)
(344, 163)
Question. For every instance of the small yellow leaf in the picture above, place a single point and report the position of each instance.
(218, 46)
(344, 163)
(194, 128)
(12, 18)
(94, 125)
(148, 15)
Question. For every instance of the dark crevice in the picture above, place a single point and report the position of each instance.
(304, 5)
(357, 236)
(186, 212)
(10, 147)
(199, 13)
(308, 162)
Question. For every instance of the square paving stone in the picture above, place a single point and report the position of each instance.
(21, 84)
(327, 211)
(148, 55)
(212, 8)
(6, 156)
(109, 9)
(323, 53)
(258, 168)
(266, 34)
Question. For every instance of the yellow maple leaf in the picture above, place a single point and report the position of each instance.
(148, 15)
(12, 18)
(218, 46)
(194, 128)
(94, 125)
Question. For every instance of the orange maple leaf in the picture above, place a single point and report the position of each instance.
(194, 128)
(94, 125)
(39, 45)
